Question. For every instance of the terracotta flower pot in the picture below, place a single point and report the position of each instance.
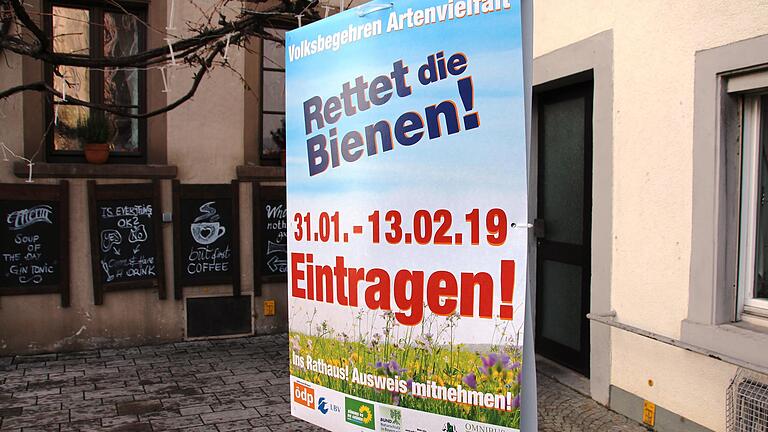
(96, 153)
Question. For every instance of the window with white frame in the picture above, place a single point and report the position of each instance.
(753, 238)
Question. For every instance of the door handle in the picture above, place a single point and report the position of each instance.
(539, 228)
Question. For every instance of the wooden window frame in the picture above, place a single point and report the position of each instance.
(96, 43)
(267, 160)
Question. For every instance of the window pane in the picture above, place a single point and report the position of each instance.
(271, 122)
(562, 205)
(121, 87)
(70, 30)
(274, 91)
(561, 298)
(274, 52)
(761, 254)
(65, 131)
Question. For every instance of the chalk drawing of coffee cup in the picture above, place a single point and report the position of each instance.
(206, 233)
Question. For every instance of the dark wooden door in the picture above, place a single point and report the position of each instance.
(564, 222)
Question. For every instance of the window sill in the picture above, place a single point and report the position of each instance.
(745, 341)
(84, 170)
(259, 173)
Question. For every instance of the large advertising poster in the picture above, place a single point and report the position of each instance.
(407, 198)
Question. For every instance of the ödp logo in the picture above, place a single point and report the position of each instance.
(304, 395)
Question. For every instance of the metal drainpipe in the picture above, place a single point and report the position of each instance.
(609, 320)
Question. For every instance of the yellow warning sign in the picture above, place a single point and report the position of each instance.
(649, 413)
(269, 308)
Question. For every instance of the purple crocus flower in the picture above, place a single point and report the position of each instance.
(395, 368)
(501, 361)
(516, 402)
(470, 379)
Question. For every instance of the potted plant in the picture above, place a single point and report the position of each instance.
(94, 134)
(278, 136)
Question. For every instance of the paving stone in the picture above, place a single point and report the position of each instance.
(133, 427)
(267, 421)
(276, 409)
(252, 403)
(11, 412)
(204, 428)
(41, 408)
(119, 420)
(227, 406)
(234, 426)
(36, 419)
(199, 409)
(114, 392)
(227, 416)
(90, 413)
(139, 407)
(203, 386)
(171, 423)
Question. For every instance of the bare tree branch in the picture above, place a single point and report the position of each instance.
(200, 50)
(26, 21)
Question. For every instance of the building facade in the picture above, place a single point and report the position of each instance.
(223, 134)
(648, 180)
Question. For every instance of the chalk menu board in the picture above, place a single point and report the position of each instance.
(270, 233)
(34, 240)
(206, 235)
(126, 238)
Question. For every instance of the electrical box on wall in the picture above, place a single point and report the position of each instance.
(219, 316)
(269, 308)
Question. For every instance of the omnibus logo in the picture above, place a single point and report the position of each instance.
(304, 395)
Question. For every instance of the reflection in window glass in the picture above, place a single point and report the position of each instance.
(761, 252)
(271, 123)
(273, 95)
(274, 52)
(77, 86)
(70, 30)
(274, 91)
(71, 36)
(121, 87)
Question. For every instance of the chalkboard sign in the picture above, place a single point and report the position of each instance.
(126, 238)
(206, 235)
(270, 234)
(34, 239)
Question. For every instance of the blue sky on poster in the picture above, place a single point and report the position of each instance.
(494, 63)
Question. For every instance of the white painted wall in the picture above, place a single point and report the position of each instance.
(655, 42)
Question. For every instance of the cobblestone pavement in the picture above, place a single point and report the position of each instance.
(564, 410)
(218, 385)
